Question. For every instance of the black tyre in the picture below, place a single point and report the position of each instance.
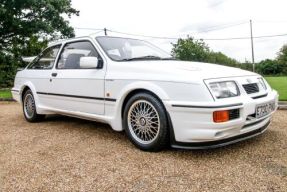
(29, 108)
(145, 122)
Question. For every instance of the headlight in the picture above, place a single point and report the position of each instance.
(224, 89)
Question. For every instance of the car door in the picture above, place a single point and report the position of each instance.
(39, 73)
(75, 89)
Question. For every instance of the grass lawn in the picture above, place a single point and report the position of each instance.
(5, 94)
(280, 85)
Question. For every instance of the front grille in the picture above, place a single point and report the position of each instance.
(251, 88)
(233, 114)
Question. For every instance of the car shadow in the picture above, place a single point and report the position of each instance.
(104, 130)
(74, 123)
(251, 149)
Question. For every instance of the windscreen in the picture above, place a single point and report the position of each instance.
(126, 49)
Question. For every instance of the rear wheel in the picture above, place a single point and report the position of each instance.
(145, 122)
(29, 108)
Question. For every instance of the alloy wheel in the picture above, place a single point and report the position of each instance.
(143, 122)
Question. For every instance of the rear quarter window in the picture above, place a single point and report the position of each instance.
(46, 59)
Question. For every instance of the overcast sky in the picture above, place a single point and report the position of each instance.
(208, 19)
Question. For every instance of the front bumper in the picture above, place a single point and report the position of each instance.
(223, 142)
(16, 95)
(193, 126)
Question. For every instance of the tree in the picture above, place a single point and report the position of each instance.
(246, 65)
(9, 63)
(220, 58)
(26, 27)
(190, 50)
(269, 67)
(21, 19)
(197, 50)
(282, 59)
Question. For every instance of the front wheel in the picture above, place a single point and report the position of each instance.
(145, 122)
(29, 108)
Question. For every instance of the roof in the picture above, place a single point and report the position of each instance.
(93, 35)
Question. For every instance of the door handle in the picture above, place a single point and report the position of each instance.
(54, 74)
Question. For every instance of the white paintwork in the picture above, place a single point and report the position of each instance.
(174, 82)
(88, 62)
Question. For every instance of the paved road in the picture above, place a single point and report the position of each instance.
(67, 154)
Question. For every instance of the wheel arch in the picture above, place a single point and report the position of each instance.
(134, 92)
(23, 91)
(25, 87)
(127, 92)
(131, 89)
(170, 133)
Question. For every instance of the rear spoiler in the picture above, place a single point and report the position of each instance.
(28, 59)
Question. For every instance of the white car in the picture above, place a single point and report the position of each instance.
(136, 87)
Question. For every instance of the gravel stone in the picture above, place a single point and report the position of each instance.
(69, 154)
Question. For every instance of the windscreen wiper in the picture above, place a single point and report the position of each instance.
(147, 57)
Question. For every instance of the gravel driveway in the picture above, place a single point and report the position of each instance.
(68, 154)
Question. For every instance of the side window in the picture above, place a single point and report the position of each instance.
(46, 59)
(72, 53)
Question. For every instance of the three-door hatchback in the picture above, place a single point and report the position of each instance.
(134, 86)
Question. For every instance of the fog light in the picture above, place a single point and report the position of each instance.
(220, 116)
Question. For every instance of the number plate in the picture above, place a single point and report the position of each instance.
(265, 109)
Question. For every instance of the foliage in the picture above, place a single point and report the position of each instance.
(269, 67)
(277, 66)
(190, 50)
(7, 69)
(196, 50)
(280, 85)
(220, 58)
(246, 66)
(21, 19)
(9, 63)
(282, 59)
(26, 27)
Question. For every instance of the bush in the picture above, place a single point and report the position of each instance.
(282, 59)
(269, 67)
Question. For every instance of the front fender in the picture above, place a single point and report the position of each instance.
(149, 86)
(122, 92)
(29, 85)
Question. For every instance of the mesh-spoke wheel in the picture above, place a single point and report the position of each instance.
(29, 107)
(143, 121)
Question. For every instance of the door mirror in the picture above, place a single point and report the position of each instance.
(89, 62)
